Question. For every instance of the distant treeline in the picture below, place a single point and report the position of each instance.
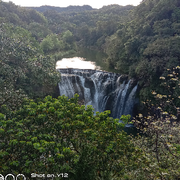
(62, 9)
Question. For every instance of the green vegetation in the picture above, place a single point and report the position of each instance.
(140, 41)
(62, 9)
(52, 42)
(58, 135)
(160, 146)
(92, 27)
(148, 44)
(40, 134)
(61, 45)
(24, 71)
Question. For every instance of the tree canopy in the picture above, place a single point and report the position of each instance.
(24, 71)
(58, 135)
(41, 135)
(148, 44)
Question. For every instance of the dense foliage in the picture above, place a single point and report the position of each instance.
(92, 27)
(62, 9)
(36, 24)
(136, 39)
(161, 145)
(60, 136)
(59, 45)
(24, 71)
(148, 44)
(27, 18)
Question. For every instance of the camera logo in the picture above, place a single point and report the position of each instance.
(13, 177)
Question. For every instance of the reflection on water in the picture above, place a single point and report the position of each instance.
(85, 59)
(76, 63)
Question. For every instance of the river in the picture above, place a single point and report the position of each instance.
(86, 59)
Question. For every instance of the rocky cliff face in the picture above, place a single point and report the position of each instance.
(102, 90)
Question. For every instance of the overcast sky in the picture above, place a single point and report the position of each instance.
(65, 3)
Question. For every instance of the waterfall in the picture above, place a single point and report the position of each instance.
(102, 90)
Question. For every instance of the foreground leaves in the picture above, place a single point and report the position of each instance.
(58, 135)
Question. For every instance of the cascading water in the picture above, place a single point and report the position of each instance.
(102, 90)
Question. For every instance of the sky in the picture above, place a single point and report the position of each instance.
(65, 3)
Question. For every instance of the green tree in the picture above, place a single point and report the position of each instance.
(47, 45)
(160, 142)
(58, 135)
(39, 31)
(146, 45)
(68, 37)
(58, 43)
(24, 71)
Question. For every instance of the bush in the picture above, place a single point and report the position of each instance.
(60, 136)
(161, 127)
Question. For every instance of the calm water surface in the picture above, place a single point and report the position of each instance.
(76, 63)
(86, 59)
